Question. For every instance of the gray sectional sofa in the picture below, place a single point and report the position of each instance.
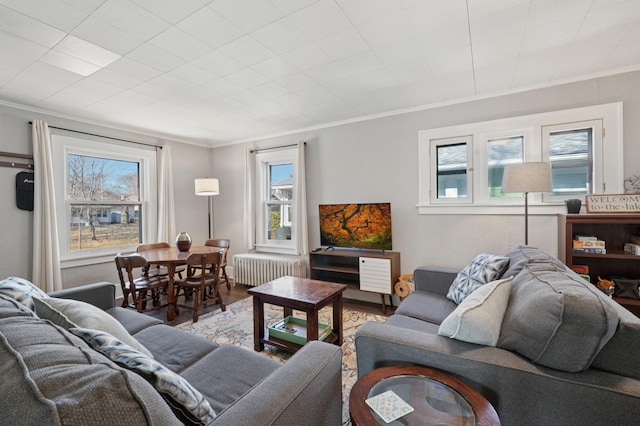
(52, 377)
(566, 353)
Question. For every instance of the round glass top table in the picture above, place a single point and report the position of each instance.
(436, 398)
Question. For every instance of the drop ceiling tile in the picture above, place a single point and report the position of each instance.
(288, 6)
(154, 91)
(248, 97)
(433, 15)
(247, 14)
(31, 88)
(28, 28)
(546, 11)
(54, 12)
(445, 40)
(210, 27)
(307, 57)
(106, 35)
(361, 11)
(387, 30)
(321, 96)
(133, 69)
(453, 62)
(193, 74)
(224, 86)
(270, 90)
(406, 73)
(155, 57)
(281, 36)
(131, 18)
(480, 8)
(89, 52)
(49, 72)
(553, 34)
(275, 68)
(614, 16)
(496, 50)
(180, 44)
(401, 52)
(342, 45)
(499, 24)
(69, 63)
(171, 11)
(321, 20)
(217, 63)
(169, 82)
(247, 51)
(247, 78)
(295, 82)
(326, 73)
(107, 75)
(19, 52)
(86, 6)
(496, 77)
(606, 39)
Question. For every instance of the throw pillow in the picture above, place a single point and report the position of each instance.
(69, 314)
(626, 288)
(21, 290)
(483, 269)
(186, 400)
(478, 318)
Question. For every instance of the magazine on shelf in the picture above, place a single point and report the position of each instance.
(589, 243)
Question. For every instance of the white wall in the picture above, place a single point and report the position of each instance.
(376, 161)
(369, 161)
(16, 226)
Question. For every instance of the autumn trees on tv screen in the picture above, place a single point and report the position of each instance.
(356, 225)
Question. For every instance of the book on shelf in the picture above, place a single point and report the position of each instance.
(632, 248)
(580, 269)
(589, 243)
(584, 237)
(591, 250)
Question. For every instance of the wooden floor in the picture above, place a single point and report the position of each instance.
(239, 292)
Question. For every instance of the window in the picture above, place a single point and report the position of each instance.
(106, 199)
(463, 175)
(275, 221)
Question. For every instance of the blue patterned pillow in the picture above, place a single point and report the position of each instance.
(186, 400)
(483, 269)
(22, 290)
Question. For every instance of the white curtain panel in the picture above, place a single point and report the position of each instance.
(46, 254)
(300, 204)
(248, 213)
(166, 203)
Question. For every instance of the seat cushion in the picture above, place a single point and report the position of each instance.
(426, 306)
(133, 321)
(483, 269)
(410, 323)
(227, 373)
(557, 319)
(51, 377)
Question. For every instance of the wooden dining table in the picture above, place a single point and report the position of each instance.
(171, 257)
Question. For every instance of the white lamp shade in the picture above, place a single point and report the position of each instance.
(207, 186)
(527, 177)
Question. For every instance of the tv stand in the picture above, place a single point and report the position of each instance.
(370, 271)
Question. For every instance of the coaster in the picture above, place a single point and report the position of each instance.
(389, 406)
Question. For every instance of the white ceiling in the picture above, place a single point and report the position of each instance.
(217, 72)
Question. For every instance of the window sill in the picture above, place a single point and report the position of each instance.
(492, 209)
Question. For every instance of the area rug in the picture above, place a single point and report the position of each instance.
(235, 327)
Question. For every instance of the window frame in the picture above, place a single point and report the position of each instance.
(608, 163)
(62, 146)
(263, 200)
(455, 140)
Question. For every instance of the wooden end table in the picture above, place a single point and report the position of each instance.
(436, 397)
(301, 294)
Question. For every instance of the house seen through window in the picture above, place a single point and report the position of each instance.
(103, 202)
(279, 204)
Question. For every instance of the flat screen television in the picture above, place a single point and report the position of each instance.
(366, 226)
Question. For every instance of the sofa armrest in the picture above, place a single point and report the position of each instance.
(307, 390)
(522, 392)
(434, 280)
(102, 295)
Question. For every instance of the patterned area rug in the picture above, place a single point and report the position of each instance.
(235, 327)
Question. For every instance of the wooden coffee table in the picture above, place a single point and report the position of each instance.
(436, 397)
(301, 294)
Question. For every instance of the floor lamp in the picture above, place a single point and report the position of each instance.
(526, 178)
(207, 187)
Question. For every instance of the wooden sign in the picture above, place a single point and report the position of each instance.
(613, 203)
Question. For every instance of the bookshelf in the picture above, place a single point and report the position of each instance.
(615, 230)
(370, 271)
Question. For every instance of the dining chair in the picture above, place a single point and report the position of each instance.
(157, 270)
(224, 244)
(204, 287)
(141, 289)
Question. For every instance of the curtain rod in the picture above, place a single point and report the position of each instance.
(102, 136)
(274, 147)
(14, 164)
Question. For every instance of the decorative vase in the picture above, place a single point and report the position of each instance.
(573, 206)
(183, 241)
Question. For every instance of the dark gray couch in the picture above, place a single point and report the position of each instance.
(572, 357)
(46, 383)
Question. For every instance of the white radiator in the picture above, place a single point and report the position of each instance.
(258, 268)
